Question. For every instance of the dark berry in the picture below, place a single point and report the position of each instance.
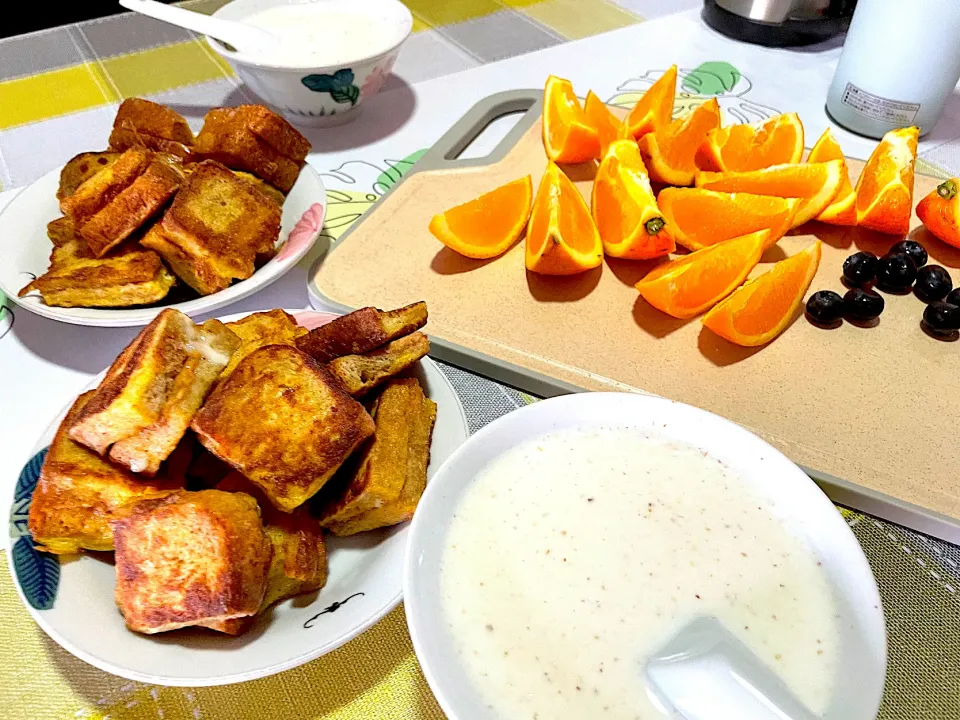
(954, 297)
(913, 250)
(941, 318)
(860, 304)
(860, 268)
(933, 283)
(825, 307)
(896, 272)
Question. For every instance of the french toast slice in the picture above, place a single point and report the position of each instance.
(299, 559)
(79, 493)
(255, 139)
(263, 186)
(362, 331)
(134, 206)
(152, 389)
(421, 416)
(359, 374)
(142, 123)
(376, 476)
(82, 167)
(215, 228)
(273, 327)
(190, 558)
(99, 190)
(283, 421)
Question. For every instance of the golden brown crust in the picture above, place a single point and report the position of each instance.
(142, 123)
(79, 493)
(189, 559)
(282, 421)
(98, 191)
(263, 186)
(274, 130)
(215, 228)
(273, 327)
(82, 167)
(359, 374)
(362, 331)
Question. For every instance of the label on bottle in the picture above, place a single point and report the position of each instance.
(879, 108)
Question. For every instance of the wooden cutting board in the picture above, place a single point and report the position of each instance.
(871, 413)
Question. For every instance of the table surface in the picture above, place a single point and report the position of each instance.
(59, 90)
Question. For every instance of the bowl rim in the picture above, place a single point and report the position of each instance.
(870, 610)
(361, 9)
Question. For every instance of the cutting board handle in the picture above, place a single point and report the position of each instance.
(444, 153)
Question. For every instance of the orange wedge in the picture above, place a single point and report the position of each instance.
(561, 236)
(607, 125)
(568, 136)
(940, 212)
(843, 209)
(624, 208)
(692, 283)
(487, 225)
(700, 218)
(763, 308)
(885, 187)
(669, 151)
(816, 184)
(655, 109)
(739, 148)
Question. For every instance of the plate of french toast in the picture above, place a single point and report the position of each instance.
(230, 499)
(163, 218)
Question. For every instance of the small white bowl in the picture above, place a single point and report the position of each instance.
(319, 95)
(795, 498)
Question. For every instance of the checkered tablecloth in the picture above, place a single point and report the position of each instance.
(58, 92)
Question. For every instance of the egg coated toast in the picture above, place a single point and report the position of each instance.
(190, 558)
(142, 123)
(400, 453)
(149, 395)
(255, 139)
(282, 420)
(79, 493)
(263, 186)
(273, 327)
(82, 167)
(99, 190)
(362, 331)
(361, 373)
(215, 228)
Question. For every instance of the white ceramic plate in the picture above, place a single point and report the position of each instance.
(25, 253)
(364, 585)
(796, 500)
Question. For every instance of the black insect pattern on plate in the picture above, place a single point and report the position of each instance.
(332, 608)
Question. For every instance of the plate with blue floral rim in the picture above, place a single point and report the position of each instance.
(71, 597)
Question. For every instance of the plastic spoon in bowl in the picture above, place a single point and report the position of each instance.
(235, 35)
(705, 673)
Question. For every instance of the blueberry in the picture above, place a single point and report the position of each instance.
(860, 304)
(824, 307)
(941, 318)
(860, 268)
(933, 283)
(896, 272)
(954, 297)
(914, 250)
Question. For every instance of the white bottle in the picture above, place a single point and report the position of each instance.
(900, 62)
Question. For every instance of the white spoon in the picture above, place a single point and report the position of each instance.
(705, 673)
(242, 37)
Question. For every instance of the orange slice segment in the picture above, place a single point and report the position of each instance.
(692, 283)
(568, 136)
(763, 308)
(843, 210)
(670, 150)
(487, 225)
(940, 211)
(739, 148)
(607, 125)
(816, 184)
(655, 109)
(561, 236)
(624, 208)
(885, 187)
(700, 218)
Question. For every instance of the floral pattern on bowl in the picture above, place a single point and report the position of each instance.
(38, 573)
